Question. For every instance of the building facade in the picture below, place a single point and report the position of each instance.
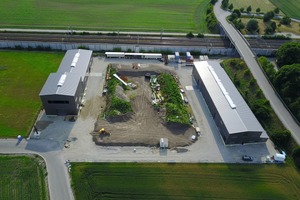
(63, 91)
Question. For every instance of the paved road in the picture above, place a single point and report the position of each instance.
(58, 179)
(263, 83)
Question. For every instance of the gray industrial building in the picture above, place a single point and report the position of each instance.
(63, 90)
(233, 117)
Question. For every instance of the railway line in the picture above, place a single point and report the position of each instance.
(135, 39)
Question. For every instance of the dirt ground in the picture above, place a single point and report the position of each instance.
(145, 126)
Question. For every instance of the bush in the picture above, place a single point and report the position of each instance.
(200, 35)
(296, 156)
(268, 16)
(286, 20)
(252, 25)
(281, 138)
(190, 35)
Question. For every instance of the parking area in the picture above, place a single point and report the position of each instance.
(208, 148)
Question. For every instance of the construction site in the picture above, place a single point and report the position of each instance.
(134, 112)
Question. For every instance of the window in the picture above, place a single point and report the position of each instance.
(58, 102)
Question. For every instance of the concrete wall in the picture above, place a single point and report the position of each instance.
(123, 47)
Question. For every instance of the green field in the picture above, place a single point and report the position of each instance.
(290, 7)
(22, 76)
(141, 15)
(184, 181)
(21, 177)
(264, 5)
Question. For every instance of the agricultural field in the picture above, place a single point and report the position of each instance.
(184, 181)
(22, 76)
(289, 7)
(264, 5)
(22, 177)
(134, 15)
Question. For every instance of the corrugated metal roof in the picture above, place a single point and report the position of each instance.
(73, 66)
(237, 119)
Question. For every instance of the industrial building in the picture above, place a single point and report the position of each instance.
(63, 91)
(233, 117)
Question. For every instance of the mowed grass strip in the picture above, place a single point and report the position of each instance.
(184, 181)
(290, 7)
(142, 15)
(21, 177)
(22, 76)
(264, 5)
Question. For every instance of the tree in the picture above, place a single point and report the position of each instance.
(287, 81)
(296, 156)
(269, 30)
(273, 26)
(281, 138)
(225, 4)
(200, 35)
(242, 9)
(213, 2)
(276, 10)
(288, 54)
(190, 35)
(237, 11)
(249, 8)
(239, 24)
(252, 25)
(258, 10)
(268, 16)
(286, 20)
(230, 7)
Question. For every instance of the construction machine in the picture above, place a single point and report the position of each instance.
(104, 132)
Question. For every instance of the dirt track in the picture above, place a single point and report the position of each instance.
(145, 126)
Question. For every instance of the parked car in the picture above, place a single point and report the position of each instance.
(186, 100)
(247, 158)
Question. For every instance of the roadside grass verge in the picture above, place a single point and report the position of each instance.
(184, 181)
(133, 15)
(289, 7)
(22, 76)
(22, 177)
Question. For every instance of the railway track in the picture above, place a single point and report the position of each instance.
(134, 39)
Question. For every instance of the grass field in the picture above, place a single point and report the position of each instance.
(290, 7)
(184, 181)
(21, 177)
(264, 5)
(22, 76)
(143, 15)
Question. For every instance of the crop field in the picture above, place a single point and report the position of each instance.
(21, 177)
(184, 181)
(139, 15)
(264, 5)
(22, 76)
(289, 7)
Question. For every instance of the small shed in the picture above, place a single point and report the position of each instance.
(164, 143)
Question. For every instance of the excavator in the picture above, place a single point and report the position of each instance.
(104, 132)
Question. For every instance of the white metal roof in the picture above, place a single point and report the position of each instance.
(234, 111)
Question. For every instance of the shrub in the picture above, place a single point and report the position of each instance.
(281, 138)
(190, 35)
(296, 156)
(286, 20)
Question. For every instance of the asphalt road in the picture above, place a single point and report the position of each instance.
(58, 177)
(263, 83)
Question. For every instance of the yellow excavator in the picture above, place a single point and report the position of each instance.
(104, 132)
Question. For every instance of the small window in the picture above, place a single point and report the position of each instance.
(58, 102)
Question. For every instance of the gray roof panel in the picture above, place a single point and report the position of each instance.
(238, 119)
